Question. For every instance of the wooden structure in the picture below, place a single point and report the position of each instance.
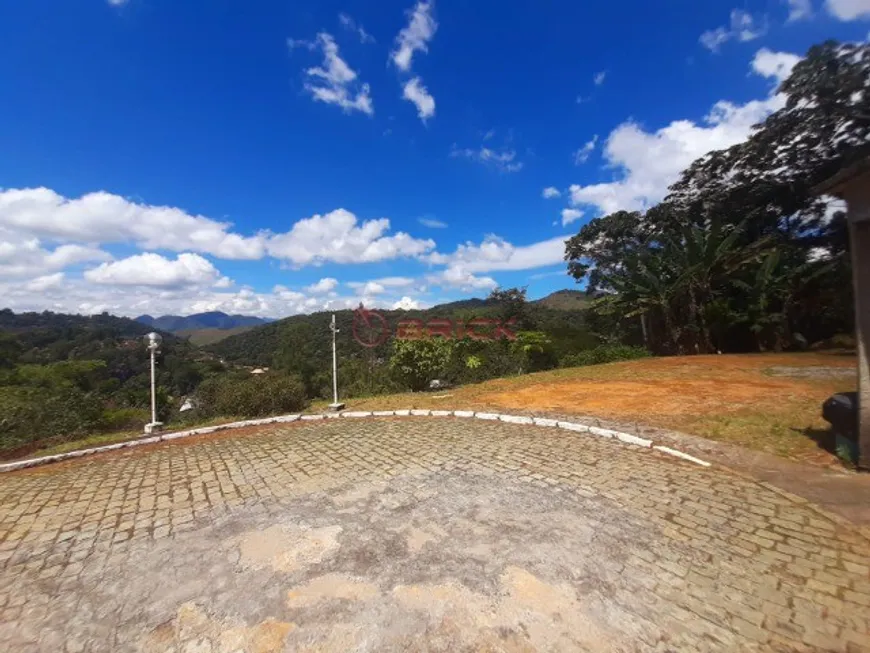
(852, 184)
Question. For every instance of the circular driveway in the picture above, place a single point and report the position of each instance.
(420, 534)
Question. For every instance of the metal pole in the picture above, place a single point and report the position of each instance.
(334, 365)
(153, 391)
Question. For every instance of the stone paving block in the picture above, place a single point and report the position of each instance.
(487, 416)
(727, 563)
(463, 413)
(544, 421)
(356, 413)
(420, 412)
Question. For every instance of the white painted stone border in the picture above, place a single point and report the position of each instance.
(359, 414)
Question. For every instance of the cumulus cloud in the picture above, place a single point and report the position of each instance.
(416, 93)
(581, 156)
(459, 277)
(502, 160)
(495, 253)
(380, 286)
(105, 218)
(846, 10)
(151, 269)
(46, 282)
(325, 285)
(774, 65)
(600, 77)
(550, 192)
(742, 27)
(415, 36)
(337, 237)
(799, 9)
(117, 3)
(648, 162)
(570, 215)
(406, 304)
(22, 256)
(351, 25)
(335, 82)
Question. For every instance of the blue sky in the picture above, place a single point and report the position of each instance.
(271, 158)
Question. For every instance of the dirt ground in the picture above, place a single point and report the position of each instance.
(767, 402)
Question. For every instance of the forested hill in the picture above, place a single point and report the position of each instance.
(50, 337)
(309, 335)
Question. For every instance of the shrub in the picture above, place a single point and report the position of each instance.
(604, 354)
(250, 395)
(416, 362)
(533, 352)
(124, 419)
(28, 414)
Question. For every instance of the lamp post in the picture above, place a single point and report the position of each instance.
(153, 341)
(335, 405)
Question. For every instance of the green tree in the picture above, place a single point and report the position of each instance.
(417, 362)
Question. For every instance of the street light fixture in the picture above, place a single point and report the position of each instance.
(153, 341)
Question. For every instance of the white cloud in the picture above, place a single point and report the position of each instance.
(799, 9)
(570, 215)
(432, 223)
(416, 36)
(503, 161)
(117, 3)
(46, 282)
(495, 253)
(350, 24)
(743, 27)
(380, 286)
(406, 304)
(416, 93)
(775, 65)
(458, 276)
(22, 256)
(848, 9)
(581, 156)
(150, 269)
(551, 192)
(337, 237)
(648, 162)
(105, 218)
(325, 285)
(600, 77)
(335, 82)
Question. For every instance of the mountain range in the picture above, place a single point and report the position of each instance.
(210, 320)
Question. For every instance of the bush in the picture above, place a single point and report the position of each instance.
(28, 414)
(416, 362)
(251, 395)
(604, 354)
(124, 419)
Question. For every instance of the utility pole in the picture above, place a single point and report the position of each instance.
(335, 405)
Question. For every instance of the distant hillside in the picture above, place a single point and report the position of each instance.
(266, 345)
(203, 337)
(198, 321)
(564, 300)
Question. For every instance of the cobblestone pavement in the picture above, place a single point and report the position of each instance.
(419, 534)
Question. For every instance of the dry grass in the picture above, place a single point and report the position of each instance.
(732, 398)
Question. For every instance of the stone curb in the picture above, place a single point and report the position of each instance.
(359, 414)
